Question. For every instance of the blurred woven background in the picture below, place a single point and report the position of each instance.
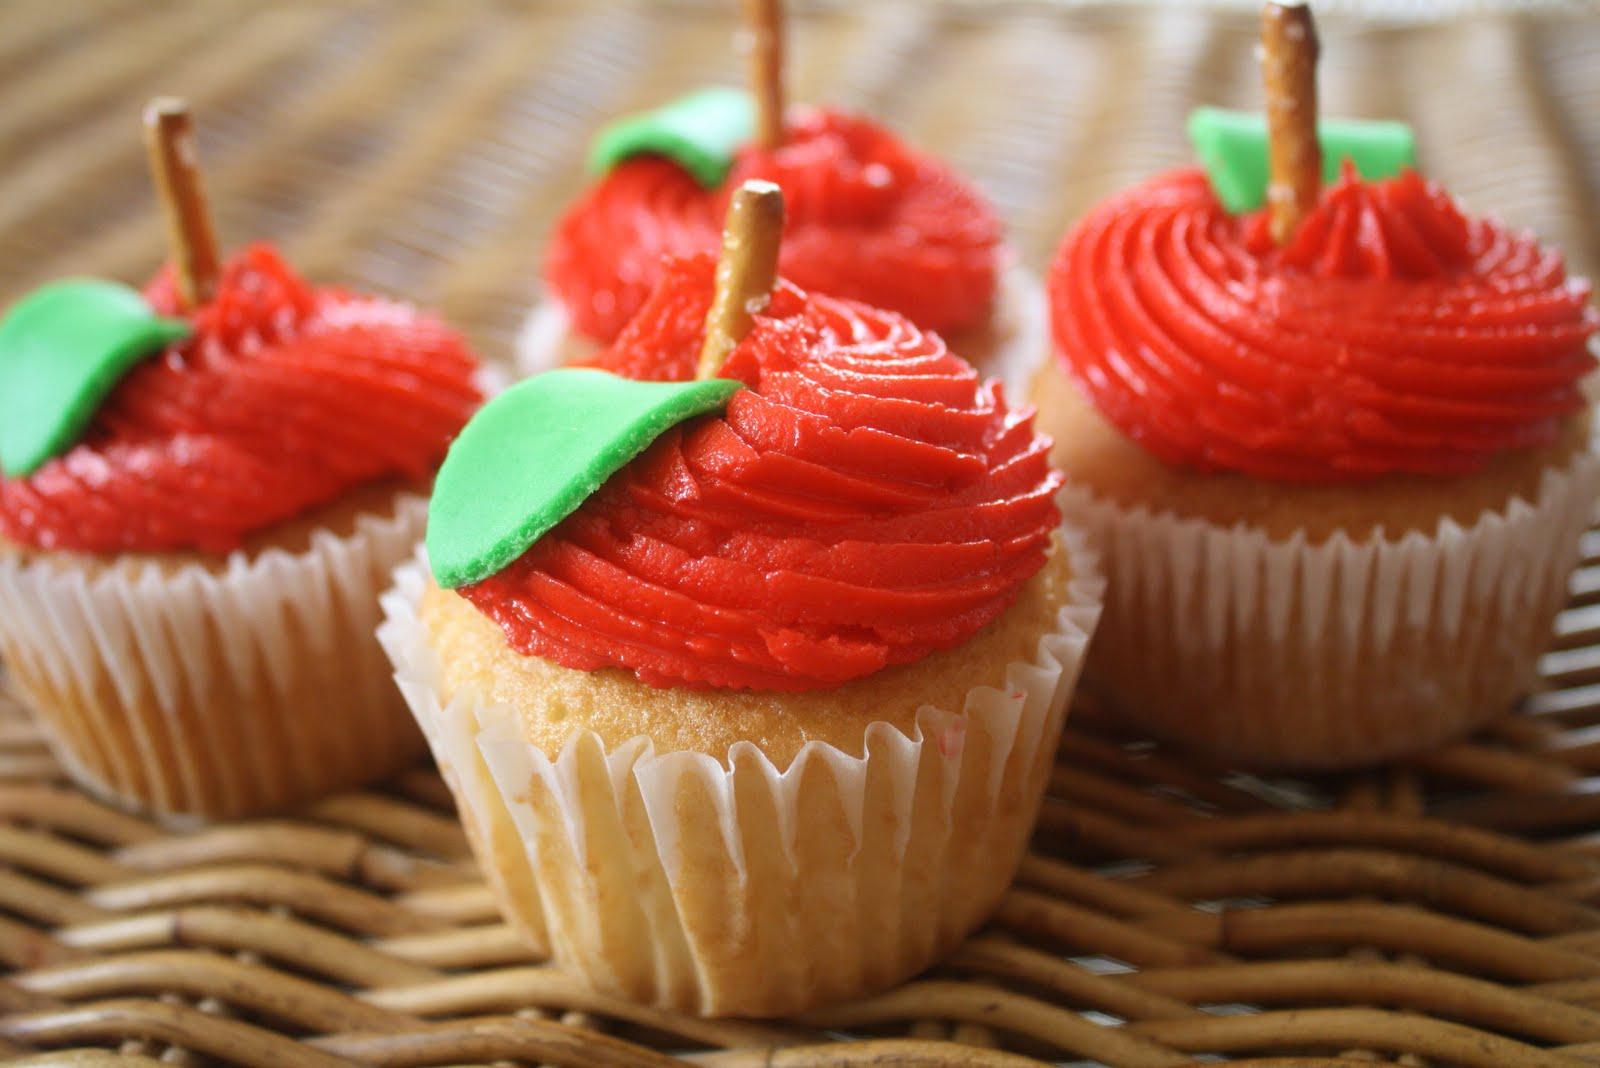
(424, 148)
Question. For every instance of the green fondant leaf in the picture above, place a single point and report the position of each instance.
(63, 348)
(537, 451)
(1233, 147)
(700, 132)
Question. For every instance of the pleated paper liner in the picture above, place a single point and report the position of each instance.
(221, 689)
(726, 884)
(1293, 653)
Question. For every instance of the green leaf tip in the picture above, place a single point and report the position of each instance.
(701, 132)
(63, 349)
(536, 452)
(1232, 145)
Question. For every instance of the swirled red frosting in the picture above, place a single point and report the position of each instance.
(284, 397)
(1393, 334)
(868, 217)
(864, 502)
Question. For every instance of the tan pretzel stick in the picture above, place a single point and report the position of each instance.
(746, 271)
(1289, 69)
(169, 138)
(763, 28)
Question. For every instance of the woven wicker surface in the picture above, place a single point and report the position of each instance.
(1437, 912)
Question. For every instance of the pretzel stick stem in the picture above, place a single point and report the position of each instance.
(746, 271)
(1289, 70)
(169, 140)
(763, 27)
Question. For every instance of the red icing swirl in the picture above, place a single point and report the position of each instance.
(868, 218)
(284, 397)
(1393, 334)
(864, 502)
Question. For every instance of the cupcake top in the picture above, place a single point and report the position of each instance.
(863, 501)
(277, 397)
(869, 218)
(1392, 333)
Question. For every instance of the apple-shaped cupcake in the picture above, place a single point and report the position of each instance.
(869, 217)
(1336, 452)
(748, 687)
(204, 488)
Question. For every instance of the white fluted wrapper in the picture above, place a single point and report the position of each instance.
(545, 340)
(218, 691)
(1284, 653)
(722, 884)
(1010, 348)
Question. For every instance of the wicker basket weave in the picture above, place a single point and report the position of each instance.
(1436, 912)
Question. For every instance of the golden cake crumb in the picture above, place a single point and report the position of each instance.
(338, 518)
(556, 701)
(1098, 457)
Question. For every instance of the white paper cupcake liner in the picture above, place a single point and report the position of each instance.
(723, 884)
(220, 691)
(1285, 653)
(1019, 342)
(542, 339)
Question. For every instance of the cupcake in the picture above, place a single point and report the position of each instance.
(205, 488)
(750, 708)
(1337, 453)
(869, 217)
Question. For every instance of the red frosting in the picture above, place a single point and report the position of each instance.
(1393, 334)
(284, 397)
(864, 502)
(868, 218)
